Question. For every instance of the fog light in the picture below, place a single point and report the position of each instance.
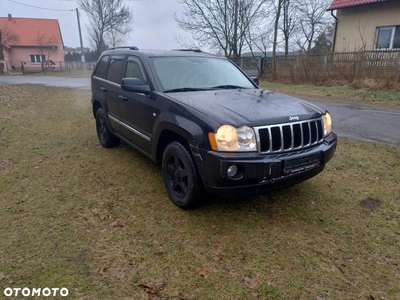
(232, 171)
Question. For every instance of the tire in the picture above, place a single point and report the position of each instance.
(106, 138)
(181, 179)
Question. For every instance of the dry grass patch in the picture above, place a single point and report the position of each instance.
(371, 96)
(99, 222)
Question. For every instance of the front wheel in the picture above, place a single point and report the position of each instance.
(106, 138)
(181, 179)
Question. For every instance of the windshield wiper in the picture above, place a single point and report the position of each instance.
(185, 89)
(228, 87)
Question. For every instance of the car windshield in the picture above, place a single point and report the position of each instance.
(181, 74)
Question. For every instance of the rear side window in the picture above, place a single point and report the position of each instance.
(102, 67)
(114, 71)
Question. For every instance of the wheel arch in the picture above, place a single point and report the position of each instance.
(95, 106)
(185, 131)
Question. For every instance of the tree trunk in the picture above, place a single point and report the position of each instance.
(235, 31)
(278, 14)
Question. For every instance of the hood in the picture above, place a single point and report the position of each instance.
(252, 107)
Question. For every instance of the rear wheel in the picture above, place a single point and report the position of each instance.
(181, 179)
(106, 138)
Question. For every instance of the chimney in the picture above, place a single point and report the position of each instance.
(9, 16)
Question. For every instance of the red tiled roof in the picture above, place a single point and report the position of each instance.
(33, 32)
(349, 3)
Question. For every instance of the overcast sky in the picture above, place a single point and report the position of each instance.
(154, 26)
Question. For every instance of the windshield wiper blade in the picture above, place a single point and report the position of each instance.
(228, 87)
(185, 89)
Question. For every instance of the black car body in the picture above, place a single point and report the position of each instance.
(207, 123)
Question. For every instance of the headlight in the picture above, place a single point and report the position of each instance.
(327, 124)
(229, 138)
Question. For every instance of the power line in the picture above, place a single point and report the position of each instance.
(52, 9)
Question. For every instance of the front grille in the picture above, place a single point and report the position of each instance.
(290, 136)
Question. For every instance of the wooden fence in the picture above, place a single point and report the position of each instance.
(250, 65)
(347, 68)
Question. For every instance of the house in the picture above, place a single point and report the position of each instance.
(29, 42)
(366, 25)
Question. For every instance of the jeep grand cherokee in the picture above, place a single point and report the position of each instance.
(207, 123)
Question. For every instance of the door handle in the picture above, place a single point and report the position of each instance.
(123, 97)
(103, 89)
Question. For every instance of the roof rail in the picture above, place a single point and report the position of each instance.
(124, 47)
(189, 50)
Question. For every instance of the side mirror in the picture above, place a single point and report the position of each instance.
(135, 85)
(255, 79)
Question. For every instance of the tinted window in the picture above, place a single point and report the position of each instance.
(133, 71)
(114, 71)
(102, 67)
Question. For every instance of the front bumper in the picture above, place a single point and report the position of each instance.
(259, 173)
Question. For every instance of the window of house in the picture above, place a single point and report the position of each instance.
(37, 58)
(388, 37)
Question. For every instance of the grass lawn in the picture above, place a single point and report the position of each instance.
(388, 98)
(99, 222)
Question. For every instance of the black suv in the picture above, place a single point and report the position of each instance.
(207, 123)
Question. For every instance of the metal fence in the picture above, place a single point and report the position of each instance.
(21, 67)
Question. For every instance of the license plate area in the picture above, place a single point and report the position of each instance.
(301, 164)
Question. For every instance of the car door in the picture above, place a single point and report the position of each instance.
(111, 87)
(100, 88)
(138, 110)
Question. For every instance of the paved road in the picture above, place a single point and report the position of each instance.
(363, 122)
(349, 120)
(78, 83)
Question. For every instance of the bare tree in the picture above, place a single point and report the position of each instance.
(313, 21)
(274, 45)
(7, 37)
(105, 16)
(289, 22)
(221, 24)
(116, 36)
(45, 44)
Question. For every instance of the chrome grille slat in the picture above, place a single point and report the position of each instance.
(302, 136)
(292, 133)
(270, 139)
(289, 136)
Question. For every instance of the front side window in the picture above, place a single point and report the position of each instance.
(198, 72)
(37, 58)
(133, 71)
(388, 37)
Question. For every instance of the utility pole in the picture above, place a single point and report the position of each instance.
(80, 38)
